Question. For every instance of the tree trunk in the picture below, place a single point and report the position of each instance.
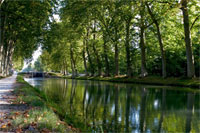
(88, 53)
(106, 58)
(64, 67)
(96, 52)
(84, 59)
(116, 60)
(9, 58)
(73, 63)
(127, 45)
(3, 19)
(1, 59)
(116, 53)
(142, 43)
(5, 53)
(188, 44)
(164, 69)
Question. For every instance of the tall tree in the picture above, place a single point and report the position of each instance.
(142, 39)
(188, 43)
(155, 21)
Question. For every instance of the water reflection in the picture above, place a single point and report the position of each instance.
(124, 107)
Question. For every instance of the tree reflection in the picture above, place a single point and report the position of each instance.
(116, 107)
(84, 98)
(142, 109)
(125, 107)
(190, 105)
(73, 91)
(162, 109)
(128, 108)
(105, 106)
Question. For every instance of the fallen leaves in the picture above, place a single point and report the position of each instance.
(4, 126)
(9, 124)
(26, 115)
(45, 130)
(18, 130)
(17, 113)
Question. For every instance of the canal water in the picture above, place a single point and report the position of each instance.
(119, 107)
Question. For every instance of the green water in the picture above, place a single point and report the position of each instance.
(111, 107)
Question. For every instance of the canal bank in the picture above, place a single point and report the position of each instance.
(151, 80)
(29, 111)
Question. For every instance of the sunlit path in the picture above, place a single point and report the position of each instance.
(7, 85)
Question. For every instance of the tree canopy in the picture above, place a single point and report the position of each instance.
(104, 38)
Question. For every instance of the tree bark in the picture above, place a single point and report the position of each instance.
(2, 32)
(188, 44)
(116, 60)
(164, 69)
(127, 45)
(9, 58)
(116, 54)
(142, 43)
(1, 59)
(106, 58)
(5, 55)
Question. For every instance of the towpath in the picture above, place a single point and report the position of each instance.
(7, 86)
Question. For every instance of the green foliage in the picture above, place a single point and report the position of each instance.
(85, 26)
(22, 25)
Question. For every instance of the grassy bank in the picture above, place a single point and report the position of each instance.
(40, 117)
(182, 82)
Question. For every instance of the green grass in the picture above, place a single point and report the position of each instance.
(151, 80)
(40, 113)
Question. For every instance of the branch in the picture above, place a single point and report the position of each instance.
(147, 26)
(194, 22)
(151, 13)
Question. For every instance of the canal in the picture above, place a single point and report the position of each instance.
(119, 107)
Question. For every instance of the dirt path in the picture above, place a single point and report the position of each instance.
(7, 85)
